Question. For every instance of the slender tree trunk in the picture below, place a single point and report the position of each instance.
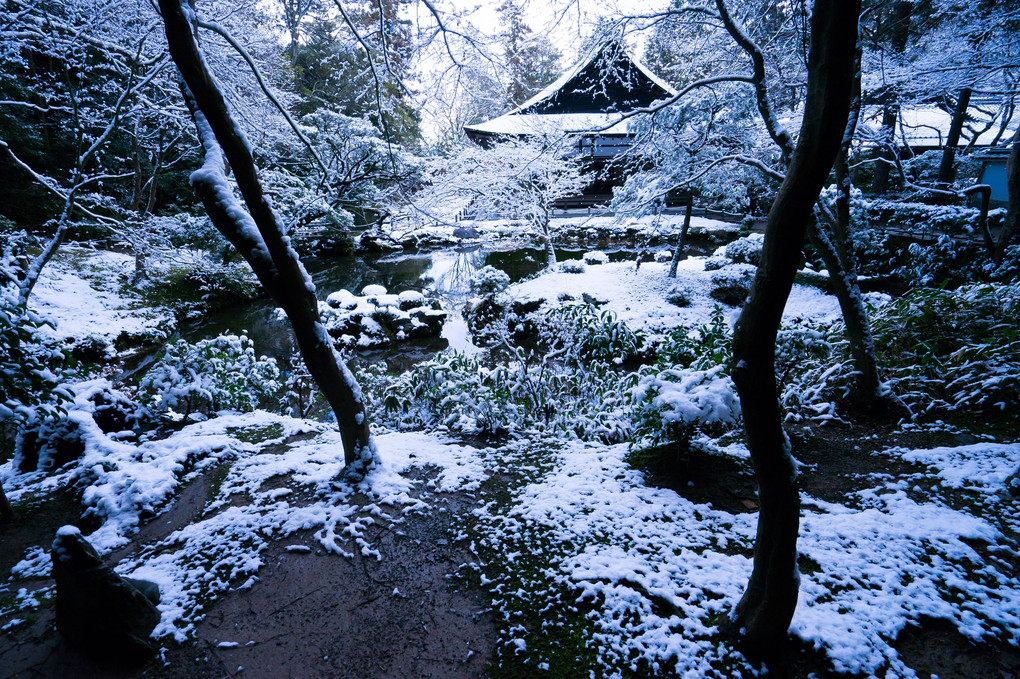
(953, 140)
(547, 241)
(838, 254)
(884, 163)
(678, 251)
(764, 613)
(259, 236)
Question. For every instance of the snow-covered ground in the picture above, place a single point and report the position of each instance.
(657, 571)
(638, 296)
(80, 292)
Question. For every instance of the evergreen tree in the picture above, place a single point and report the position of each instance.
(532, 61)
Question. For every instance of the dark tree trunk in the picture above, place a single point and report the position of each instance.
(766, 609)
(678, 253)
(953, 140)
(841, 263)
(259, 235)
(886, 157)
(897, 31)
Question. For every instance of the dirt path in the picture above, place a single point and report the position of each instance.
(310, 614)
(315, 615)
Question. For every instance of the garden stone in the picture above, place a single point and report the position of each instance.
(103, 614)
(466, 232)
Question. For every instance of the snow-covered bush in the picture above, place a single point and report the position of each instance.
(731, 285)
(942, 219)
(578, 333)
(944, 262)
(572, 266)
(959, 349)
(716, 262)
(679, 295)
(746, 250)
(489, 281)
(671, 406)
(701, 348)
(211, 375)
(49, 440)
(27, 378)
(595, 257)
(941, 351)
(193, 285)
(460, 393)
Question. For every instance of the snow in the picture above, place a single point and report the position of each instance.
(981, 466)
(638, 297)
(79, 292)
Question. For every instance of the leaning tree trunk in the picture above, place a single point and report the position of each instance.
(764, 612)
(838, 254)
(259, 235)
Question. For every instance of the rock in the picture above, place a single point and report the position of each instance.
(106, 616)
(1013, 483)
(524, 307)
(373, 290)
(593, 300)
(48, 444)
(466, 232)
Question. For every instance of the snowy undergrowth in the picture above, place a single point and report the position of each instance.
(589, 568)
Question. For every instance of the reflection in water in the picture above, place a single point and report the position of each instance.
(446, 273)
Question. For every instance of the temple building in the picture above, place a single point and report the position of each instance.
(595, 104)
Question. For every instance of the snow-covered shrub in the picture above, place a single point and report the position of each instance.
(595, 257)
(28, 380)
(701, 348)
(959, 349)
(679, 295)
(940, 351)
(942, 219)
(746, 250)
(489, 281)
(716, 262)
(731, 285)
(527, 395)
(671, 406)
(944, 262)
(578, 333)
(211, 375)
(572, 266)
(663, 256)
(199, 283)
(49, 440)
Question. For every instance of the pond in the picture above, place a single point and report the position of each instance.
(444, 274)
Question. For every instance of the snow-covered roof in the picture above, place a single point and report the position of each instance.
(590, 96)
(553, 124)
(928, 126)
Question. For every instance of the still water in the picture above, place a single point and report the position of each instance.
(445, 274)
